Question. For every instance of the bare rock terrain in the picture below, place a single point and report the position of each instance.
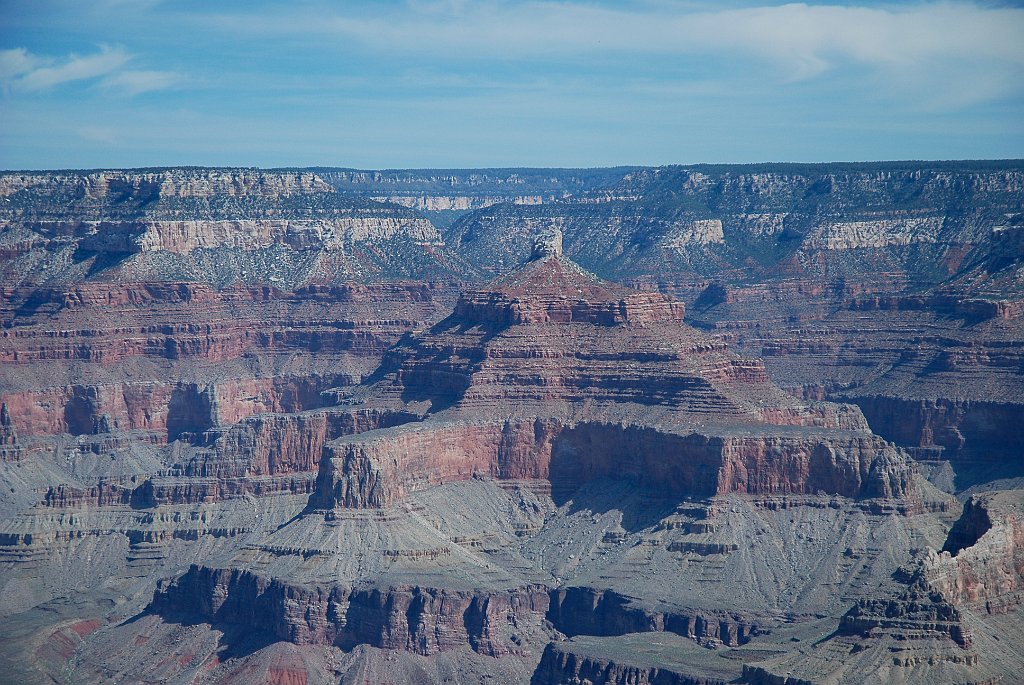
(676, 425)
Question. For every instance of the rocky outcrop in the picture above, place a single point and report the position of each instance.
(920, 611)
(8, 435)
(560, 665)
(409, 618)
(638, 308)
(588, 611)
(940, 621)
(982, 562)
(380, 469)
(547, 338)
(981, 566)
(960, 429)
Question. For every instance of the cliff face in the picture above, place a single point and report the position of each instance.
(290, 395)
(586, 611)
(185, 237)
(416, 619)
(285, 229)
(957, 428)
(379, 470)
(195, 357)
(561, 665)
(982, 562)
(705, 220)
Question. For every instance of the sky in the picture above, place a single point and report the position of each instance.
(496, 83)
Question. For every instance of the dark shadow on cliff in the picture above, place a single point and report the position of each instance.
(441, 375)
(986, 476)
(101, 260)
(35, 303)
(641, 508)
(588, 455)
(235, 642)
(238, 641)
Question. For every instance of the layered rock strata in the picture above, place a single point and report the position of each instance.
(565, 663)
(608, 384)
(416, 619)
(940, 619)
(550, 381)
(190, 391)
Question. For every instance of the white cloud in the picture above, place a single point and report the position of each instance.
(16, 62)
(22, 71)
(74, 68)
(936, 45)
(135, 81)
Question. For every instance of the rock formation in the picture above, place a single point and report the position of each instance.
(516, 387)
(341, 426)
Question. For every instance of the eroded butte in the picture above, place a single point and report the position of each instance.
(356, 471)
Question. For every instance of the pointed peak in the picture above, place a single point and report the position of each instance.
(551, 288)
(548, 272)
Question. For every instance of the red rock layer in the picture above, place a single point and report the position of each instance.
(556, 290)
(167, 409)
(189, 329)
(175, 320)
(549, 338)
(377, 470)
(275, 444)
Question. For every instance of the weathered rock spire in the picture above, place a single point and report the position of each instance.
(7, 434)
(547, 243)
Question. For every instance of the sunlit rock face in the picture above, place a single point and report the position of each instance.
(555, 427)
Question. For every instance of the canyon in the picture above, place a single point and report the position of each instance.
(703, 424)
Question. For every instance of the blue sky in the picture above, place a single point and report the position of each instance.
(463, 83)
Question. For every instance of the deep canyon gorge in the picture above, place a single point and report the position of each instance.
(678, 425)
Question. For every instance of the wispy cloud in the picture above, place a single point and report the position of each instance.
(20, 70)
(15, 63)
(73, 68)
(135, 81)
(485, 82)
(940, 44)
